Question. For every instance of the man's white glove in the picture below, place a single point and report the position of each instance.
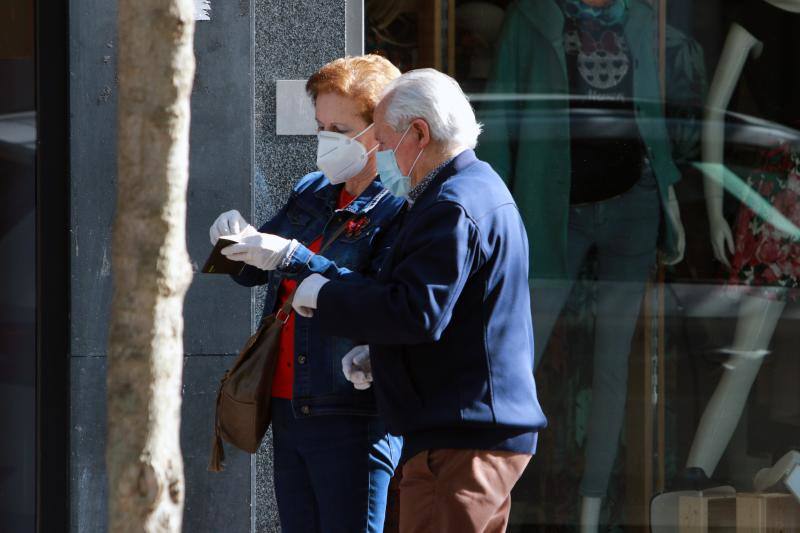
(356, 367)
(261, 250)
(230, 223)
(305, 298)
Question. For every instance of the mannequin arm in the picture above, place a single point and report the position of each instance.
(738, 45)
(674, 213)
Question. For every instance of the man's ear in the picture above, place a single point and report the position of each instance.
(422, 131)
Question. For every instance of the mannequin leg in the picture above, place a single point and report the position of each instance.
(627, 234)
(617, 312)
(549, 296)
(754, 328)
(590, 513)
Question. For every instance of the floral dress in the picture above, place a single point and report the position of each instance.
(766, 256)
(766, 261)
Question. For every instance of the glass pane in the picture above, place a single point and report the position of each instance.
(17, 268)
(652, 148)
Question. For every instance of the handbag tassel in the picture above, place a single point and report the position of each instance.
(217, 455)
(217, 451)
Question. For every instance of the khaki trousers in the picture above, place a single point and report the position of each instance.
(459, 491)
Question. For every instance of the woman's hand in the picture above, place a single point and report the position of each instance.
(356, 367)
(260, 250)
(230, 223)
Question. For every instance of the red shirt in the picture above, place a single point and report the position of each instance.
(283, 382)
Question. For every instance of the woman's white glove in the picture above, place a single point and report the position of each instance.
(356, 367)
(261, 250)
(305, 297)
(230, 223)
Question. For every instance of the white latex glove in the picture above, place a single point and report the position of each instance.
(230, 223)
(674, 214)
(305, 298)
(721, 238)
(261, 250)
(356, 367)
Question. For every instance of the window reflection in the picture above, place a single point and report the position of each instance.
(652, 148)
(17, 268)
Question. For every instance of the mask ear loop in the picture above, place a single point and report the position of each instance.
(410, 170)
(418, 155)
(401, 138)
(365, 130)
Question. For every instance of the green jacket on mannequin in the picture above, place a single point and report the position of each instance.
(527, 133)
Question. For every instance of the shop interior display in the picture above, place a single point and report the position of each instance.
(542, 85)
(603, 56)
(760, 250)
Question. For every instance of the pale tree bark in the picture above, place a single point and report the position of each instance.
(150, 265)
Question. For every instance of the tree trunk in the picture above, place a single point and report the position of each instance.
(150, 265)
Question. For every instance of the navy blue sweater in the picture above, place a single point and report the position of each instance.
(448, 319)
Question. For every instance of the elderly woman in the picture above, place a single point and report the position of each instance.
(333, 458)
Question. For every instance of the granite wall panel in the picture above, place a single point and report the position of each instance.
(292, 40)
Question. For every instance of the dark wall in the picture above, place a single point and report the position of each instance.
(17, 87)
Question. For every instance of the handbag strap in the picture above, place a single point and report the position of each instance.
(286, 308)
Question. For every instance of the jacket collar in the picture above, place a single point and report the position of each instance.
(547, 17)
(366, 201)
(637, 28)
(459, 163)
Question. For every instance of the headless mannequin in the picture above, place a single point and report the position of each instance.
(757, 317)
(591, 506)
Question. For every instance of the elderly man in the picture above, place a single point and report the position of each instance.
(448, 320)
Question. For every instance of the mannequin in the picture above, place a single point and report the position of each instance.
(580, 189)
(590, 505)
(759, 313)
(786, 470)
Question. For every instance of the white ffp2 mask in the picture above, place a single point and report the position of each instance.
(340, 157)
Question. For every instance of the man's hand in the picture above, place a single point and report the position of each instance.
(356, 367)
(229, 223)
(260, 250)
(305, 298)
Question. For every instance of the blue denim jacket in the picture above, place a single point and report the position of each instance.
(320, 388)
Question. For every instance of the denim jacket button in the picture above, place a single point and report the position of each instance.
(301, 359)
(306, 410)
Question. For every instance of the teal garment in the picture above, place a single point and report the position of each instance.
(609, 15)
(527, 138)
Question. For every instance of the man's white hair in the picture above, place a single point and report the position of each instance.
(436, 98)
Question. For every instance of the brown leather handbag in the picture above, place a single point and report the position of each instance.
(245, 392)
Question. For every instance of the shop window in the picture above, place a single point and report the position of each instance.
(666, 356)
(17, 268)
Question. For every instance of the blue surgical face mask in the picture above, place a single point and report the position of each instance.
(392, 178)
